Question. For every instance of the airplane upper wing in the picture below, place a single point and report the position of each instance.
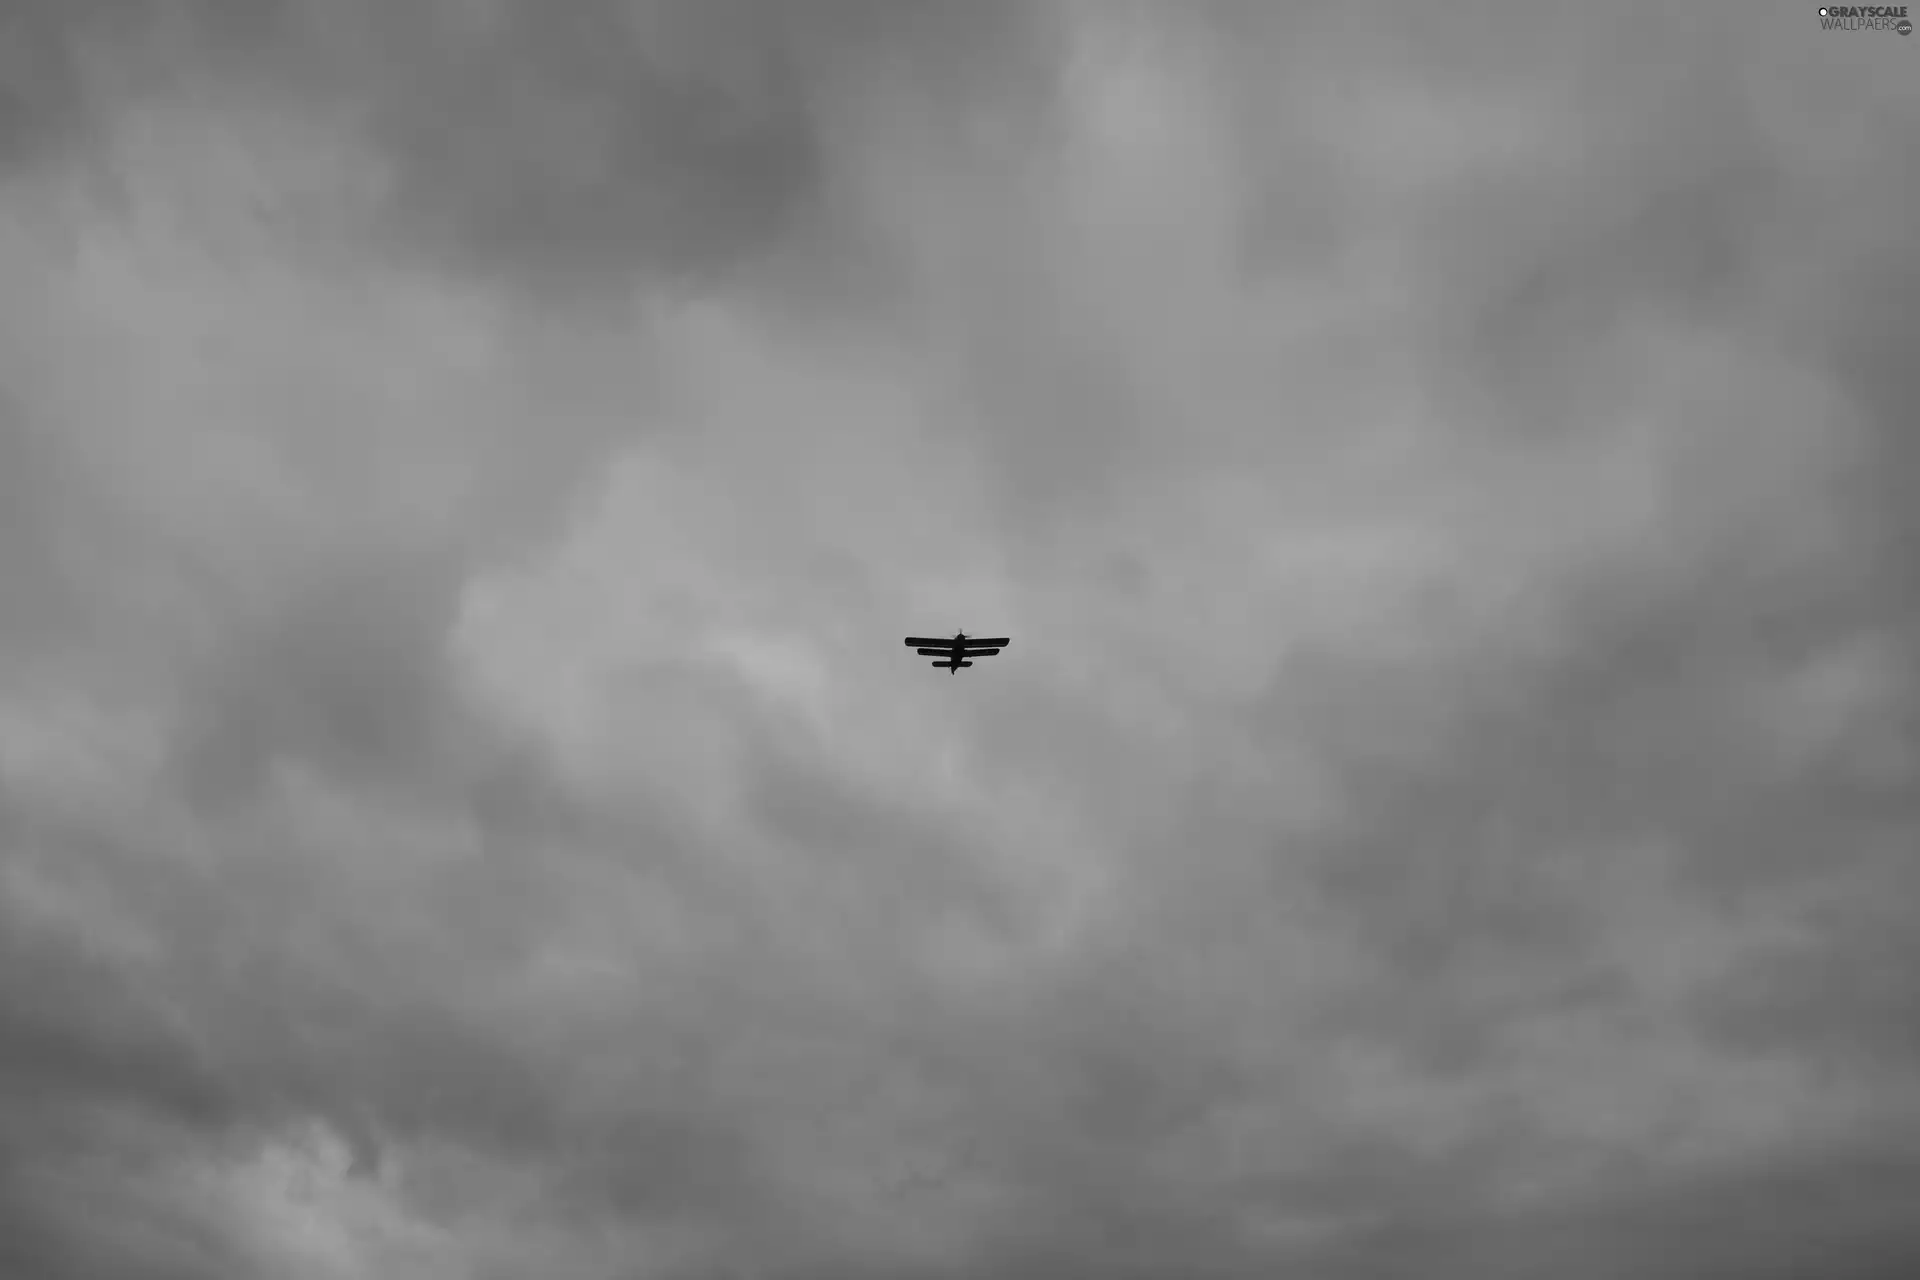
(972, 644)
(924, 642)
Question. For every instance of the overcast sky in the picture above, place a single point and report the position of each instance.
(1449, 810)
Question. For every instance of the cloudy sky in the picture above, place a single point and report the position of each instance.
(1450, 807)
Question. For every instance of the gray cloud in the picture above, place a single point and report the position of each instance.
(464, 812)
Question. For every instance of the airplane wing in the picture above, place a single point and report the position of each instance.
(925, 643)
(934, 653)
(971, 652)
(972, 644)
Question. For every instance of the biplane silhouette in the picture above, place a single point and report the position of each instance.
(958, 651)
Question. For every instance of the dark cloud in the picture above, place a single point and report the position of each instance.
(600, 138)
(1838, 1216)
(464, 469)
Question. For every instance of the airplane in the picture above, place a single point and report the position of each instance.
(957, 650)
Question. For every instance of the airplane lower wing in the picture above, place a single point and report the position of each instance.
(933, 653)
(972, 652)
(971, 643)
